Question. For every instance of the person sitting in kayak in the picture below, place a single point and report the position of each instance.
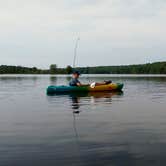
(75, 81)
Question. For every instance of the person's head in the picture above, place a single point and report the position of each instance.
(76, 74)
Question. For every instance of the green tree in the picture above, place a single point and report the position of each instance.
(69, 69)
(53, 69)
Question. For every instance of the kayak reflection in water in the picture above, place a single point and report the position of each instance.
(95, 97)
(75, 81)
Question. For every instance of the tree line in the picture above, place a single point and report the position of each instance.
(4, 69)
(149, 68)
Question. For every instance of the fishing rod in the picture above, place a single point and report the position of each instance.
(75, 56)
(75, 52)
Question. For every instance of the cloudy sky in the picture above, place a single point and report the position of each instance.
(112, 32)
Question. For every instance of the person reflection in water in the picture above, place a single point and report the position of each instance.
(75, 104)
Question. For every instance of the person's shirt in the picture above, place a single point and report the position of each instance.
(74, 82)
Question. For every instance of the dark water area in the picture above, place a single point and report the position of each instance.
(94, 129)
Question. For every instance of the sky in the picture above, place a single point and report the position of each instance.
(112, 32)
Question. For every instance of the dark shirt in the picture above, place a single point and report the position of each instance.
(74, 82)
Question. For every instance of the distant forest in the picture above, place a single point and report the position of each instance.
(150, 68)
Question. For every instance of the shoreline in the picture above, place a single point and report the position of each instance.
(85, 75)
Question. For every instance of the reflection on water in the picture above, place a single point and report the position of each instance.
(92, 97)
(108, 129)
(76, 102)
(53, 80)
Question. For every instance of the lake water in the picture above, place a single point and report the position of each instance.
(102, 129)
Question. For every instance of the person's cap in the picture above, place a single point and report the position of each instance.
(76, 72)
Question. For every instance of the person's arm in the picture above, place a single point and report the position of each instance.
(79, 84)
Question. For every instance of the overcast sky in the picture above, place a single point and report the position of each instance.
(112, 32)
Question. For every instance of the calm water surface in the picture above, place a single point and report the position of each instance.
(108, 129)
